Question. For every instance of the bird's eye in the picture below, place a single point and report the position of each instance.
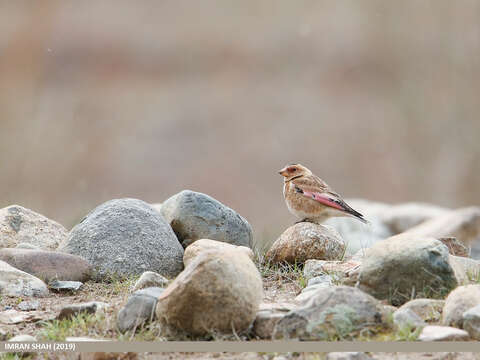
(293, 169)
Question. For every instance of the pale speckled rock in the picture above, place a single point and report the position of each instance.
(125, 237)
(21, 225)
(14, 282)
(193, 215)
(217, 291)
(395, 266)
(304, 241)
(201, 245)
(442, 333)
(334, 311)
(28, 305)
(150, 279)
(348, 356)
(23, 338)
(48, 265)
(466, 269)
(471, 322)
(458, 301)
(429, 310)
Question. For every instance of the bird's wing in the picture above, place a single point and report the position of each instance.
(314, 188)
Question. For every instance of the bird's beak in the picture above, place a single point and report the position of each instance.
(283, 172)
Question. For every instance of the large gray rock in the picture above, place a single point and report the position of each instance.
(21, 225)
(335, 312)
(458, 301)
(218, 291)
(400, 268)
(304, 241)
(126, 237)
(14, 282)
(194, 216)
(139, 309)
(48, 265)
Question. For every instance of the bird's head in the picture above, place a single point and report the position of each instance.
(294, 170)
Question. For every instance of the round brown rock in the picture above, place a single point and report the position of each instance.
(202, 245)
(218, 291)
(304, 241)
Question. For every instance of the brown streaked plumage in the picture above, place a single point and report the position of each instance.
(309, 198)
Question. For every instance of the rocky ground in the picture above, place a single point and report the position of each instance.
(188, 269)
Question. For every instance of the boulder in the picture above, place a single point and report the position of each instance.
(206, 244)
(125, 237)
(14, 282)
(442, 333)
(471, 322)
(400, 268)
(304, 241)
(139, 309)
(194, 216)
(21, 225)
(331, 313)
(48, 265)
(458, 301)
(150, 279)
(218, 291)
(429, 310)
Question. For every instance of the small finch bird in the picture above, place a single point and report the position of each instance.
(309, 198)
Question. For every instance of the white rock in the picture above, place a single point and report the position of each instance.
(21, 225)
(14, 282)
(442, 333)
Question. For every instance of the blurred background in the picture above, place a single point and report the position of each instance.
(108, 99)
